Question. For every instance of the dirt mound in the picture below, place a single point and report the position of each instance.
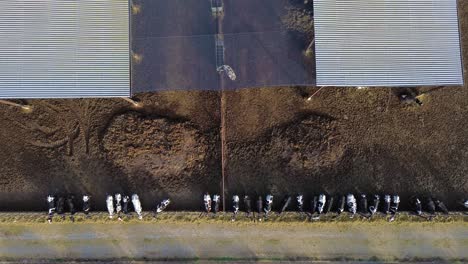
(168, 157)
(307, 145)
(279, 160)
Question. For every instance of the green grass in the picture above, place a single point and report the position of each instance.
(194, 217)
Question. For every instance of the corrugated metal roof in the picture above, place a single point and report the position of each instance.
(64, 49)
(387, 42)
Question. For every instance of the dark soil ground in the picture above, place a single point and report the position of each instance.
(265, 42)
(173, 46)
(342, 140)
(168, 147)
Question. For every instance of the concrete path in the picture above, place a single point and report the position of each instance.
(231, 241)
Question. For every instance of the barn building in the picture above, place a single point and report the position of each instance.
(387, 43)
(64, 49)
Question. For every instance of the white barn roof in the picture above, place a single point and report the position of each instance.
(64, 48)
(387, 42)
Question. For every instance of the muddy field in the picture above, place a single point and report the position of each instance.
(105, 146)
(341, 140)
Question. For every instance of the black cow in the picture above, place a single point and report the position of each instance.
(430, 206)
(260, 208)
(341, 204)
(247, 205)
(374, 207)
(329, 205)
(417, 206)
(409, 98)
(441, 206)
(125, 202)
(71, 206)
(313, 205)
(363, 204)
(61, 206)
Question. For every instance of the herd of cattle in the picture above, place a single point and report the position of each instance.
(119, 204)
(323, 204)
(116, 205)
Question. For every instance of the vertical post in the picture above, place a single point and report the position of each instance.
(223, 145)
(219, 31)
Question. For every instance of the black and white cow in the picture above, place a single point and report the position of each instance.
(86, 204)
(51, 206)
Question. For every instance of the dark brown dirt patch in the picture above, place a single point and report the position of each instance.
(58, 148)
(287, 159)
(171, 158)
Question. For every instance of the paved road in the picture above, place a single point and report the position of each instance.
(241, 240)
